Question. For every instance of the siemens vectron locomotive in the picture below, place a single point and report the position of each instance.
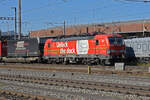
(99, 49)
(86, 49)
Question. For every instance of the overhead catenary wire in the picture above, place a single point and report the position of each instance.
(135, 0)
(84, 10)
(43, 6)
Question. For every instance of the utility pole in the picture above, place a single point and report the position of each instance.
(19, 19)
(8, 33)
(64, 28)
(15, 22)
(143, 28)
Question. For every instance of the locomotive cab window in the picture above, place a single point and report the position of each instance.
(97, 42)
(115, 40)
(48, 45)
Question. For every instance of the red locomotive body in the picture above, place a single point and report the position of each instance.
(100, 48)
(3, 50)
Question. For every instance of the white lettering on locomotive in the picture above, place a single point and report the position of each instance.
(70, 51)
(20, 45)
(67, 51)
(62, 51)
(61, 44)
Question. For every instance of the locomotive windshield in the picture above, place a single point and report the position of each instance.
(115, 40)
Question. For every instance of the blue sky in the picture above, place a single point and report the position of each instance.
(37, 14)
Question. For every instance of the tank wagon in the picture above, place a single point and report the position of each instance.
(86, 49)
(138, 49)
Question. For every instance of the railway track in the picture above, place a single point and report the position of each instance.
(88, 85)
(13, 95)
(72, 68)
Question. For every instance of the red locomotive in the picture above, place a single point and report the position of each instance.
(86, 49)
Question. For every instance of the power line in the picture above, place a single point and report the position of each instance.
(85, 10)
(5, 2)
(44, 6)
(135, 0)
(7, 18)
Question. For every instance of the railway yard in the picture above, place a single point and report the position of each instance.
(72, 82)
(76, 51)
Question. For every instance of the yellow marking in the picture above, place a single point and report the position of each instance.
(101, 47)
(52, 50)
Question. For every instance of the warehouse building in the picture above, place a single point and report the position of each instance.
(137, 28)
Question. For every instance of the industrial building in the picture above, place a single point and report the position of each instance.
(139, 28)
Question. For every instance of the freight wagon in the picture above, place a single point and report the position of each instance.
(86, 49)
(24, 50)
(138, 49)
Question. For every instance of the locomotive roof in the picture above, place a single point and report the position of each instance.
(138, 39)
(85, 36)
(74, 38)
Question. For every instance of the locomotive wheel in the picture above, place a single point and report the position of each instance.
(49, 61)
(102, 62)
(39, 60)
(97, 62)
(84, 62)
(66, 61)
(87, 61)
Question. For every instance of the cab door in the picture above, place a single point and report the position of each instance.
(97, 46)
(101, 46)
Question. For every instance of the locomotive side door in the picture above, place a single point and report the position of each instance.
(100, 46)
(97, 46)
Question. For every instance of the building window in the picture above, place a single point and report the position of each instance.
(52, 31)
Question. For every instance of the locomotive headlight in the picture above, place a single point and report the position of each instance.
(112, 51)
(121, 51)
